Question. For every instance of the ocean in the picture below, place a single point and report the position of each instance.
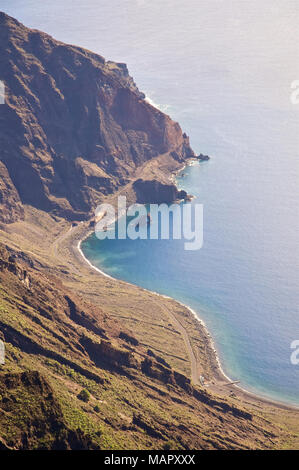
(223, 70)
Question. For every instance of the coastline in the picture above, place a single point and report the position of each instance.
(87, 260)
(220, 378)
(194, 314)
(93, 360)
(255, 397)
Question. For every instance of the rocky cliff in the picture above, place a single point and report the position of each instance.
(91, 363)
(73, 128)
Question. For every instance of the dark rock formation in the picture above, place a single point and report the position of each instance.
(105, 354)
(158, 358)
(153, 191)
(128, 338)
(203, 157)
(84, 319)
(148, 428)
(74, 127)
(206, 398)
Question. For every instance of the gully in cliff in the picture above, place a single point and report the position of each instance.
(176, 222)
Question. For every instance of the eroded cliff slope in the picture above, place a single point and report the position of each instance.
(73, 128)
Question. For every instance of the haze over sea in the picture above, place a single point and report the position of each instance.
(223, 69)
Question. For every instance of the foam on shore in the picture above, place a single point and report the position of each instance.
(89, 263)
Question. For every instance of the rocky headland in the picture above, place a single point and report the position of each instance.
(74, 128)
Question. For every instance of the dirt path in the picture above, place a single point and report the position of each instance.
(195, 368)
(64, 234)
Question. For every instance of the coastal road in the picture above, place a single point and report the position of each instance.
(195, 373)
(58, 242)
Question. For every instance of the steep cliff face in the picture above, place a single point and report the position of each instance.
(11, 208)
(73, 127)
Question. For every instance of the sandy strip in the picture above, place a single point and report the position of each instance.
(89, 263)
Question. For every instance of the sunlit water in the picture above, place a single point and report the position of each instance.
(223, 69)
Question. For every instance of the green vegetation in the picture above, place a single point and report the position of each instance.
(84, 395)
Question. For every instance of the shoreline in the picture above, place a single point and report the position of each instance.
(87, 260)
(247, 394)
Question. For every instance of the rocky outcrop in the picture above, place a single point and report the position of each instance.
(128, 338)
(83, 318)
(104, 353)
(153, 191)
(8, 262)
(203, 157)
(121, 70)
(74, 127)
(158, 371)
(204, 397)
(149, 428)
(158, 358)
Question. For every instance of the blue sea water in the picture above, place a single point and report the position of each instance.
(224, 71)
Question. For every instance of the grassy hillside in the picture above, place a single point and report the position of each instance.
(57, 345)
